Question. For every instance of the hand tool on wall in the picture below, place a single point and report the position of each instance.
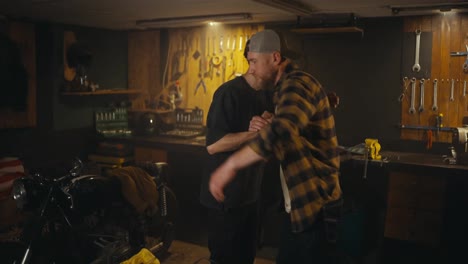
(232, 63)
(209, 72)
(234, 40)
(416, 66)
(434, 105)
(216, 62)
(462, 53)
(421, 102)
(405, 89)
(240, 43)
(214, 46)
(196, 54)
(464, 88)
(412, 109)
(223, 68)
(179, 60)
(221, 44)
(201, 82)
(452, 88)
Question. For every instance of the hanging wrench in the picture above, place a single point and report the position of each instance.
(452, 98)
(221, 44)
(416, 66)
(464, 88)
(421, 102)
(234, 40)
(434, 105)
(412, 110)
(240, 43)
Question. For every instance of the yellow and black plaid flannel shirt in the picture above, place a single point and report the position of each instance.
(302, 136)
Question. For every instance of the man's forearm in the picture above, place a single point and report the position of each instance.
(230, 142)
(225, 173)
(243, 157)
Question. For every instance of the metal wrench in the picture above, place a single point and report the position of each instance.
(434, 105)
(452, 98)
(421, 102)
(412, 110)
(464, 88)
(240, 43)
(416, 66)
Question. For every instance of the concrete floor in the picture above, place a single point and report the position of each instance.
(182, 252)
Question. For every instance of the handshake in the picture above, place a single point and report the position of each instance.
(259, 122)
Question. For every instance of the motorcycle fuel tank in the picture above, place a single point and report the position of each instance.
(92, 192)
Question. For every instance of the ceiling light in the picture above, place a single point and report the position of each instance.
(294, 7)
(192, 21)
(428, 7)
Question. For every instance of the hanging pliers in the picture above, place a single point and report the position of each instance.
(201, 82)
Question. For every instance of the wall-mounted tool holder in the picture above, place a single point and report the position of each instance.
(442, 55)
(111, 122)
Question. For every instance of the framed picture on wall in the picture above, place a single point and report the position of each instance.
(17, 75)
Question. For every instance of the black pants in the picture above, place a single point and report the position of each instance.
(232, 234)
(304, 247)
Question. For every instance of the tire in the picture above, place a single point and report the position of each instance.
(11, 252)
(162, 228)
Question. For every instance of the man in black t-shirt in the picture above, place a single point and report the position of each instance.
(233, 224)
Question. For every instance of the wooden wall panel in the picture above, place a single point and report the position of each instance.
(212, 55)
(436, 69)
(454, 72)
(444, 73)
(449, 33)
(411, 25)
(208, 55)
(23, 35)
(427, 113)
(463, 105)
(144, 64)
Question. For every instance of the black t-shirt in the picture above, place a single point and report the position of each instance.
(233, 106)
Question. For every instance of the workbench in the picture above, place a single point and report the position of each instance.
(411, 197)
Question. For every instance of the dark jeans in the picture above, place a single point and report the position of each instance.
(232, 234)
(304, 247)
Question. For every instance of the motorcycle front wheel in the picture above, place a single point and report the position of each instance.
(160, 230)
(11, 252)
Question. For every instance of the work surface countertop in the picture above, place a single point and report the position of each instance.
(198, 141)
(167, 142)
(413, 159)
(388, 157)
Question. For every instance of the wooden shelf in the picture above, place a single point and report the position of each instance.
(151, 111)
(104, 92)
(326, 30)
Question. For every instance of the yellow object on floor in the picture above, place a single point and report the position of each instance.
(143, 257)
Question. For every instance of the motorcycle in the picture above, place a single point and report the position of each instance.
(79, 218)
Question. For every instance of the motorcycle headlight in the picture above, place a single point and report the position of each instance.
(28, 193)
(19, 193)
